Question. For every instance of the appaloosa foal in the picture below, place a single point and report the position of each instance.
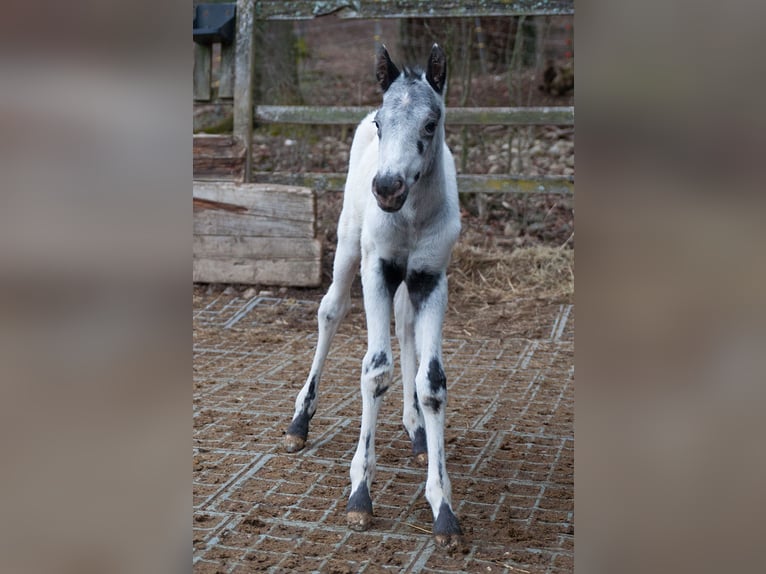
(400, 218)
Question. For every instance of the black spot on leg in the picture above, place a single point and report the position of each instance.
(312, 393)
(417, 402)
(436, 377)
(300, 424)
(379, 359)
(420, 285)
(432, 403)
(380, 390)
(393, 275)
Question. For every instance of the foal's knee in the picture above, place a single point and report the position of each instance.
(432, 390)
(377, 372)
(333, 308)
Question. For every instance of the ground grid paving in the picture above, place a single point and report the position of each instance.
(509, 441)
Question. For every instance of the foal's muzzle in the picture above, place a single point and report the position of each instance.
(390, 191)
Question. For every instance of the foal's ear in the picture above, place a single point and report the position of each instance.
(436, 73)
(385, 70)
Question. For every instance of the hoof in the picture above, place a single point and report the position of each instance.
(294, 443)
(447, 531)
(450, 542)
(357, 520)
(421, 459)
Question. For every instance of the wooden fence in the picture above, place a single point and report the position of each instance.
(230, 157)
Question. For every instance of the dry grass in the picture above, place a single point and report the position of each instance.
(496, 275)
(512, 292)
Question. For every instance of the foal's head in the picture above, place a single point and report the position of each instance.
(410, 125)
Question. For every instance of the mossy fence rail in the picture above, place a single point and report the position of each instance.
(230, 157)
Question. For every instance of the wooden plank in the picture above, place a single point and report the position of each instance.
(243, 247)
(319, 115)
(218, 157)
(562, 185)
(243, 81)
(306, 9)
(261, 271)
(254, 210)
(466, 183)
(202, 69)
(526, 116)
(316, 181)
(226, 77)
(351, 115)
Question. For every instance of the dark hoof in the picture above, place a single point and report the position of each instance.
(447, 531)
(421, 459)
(450, 542)
(294, 443)
(358, 520)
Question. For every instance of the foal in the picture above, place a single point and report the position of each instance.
(400, 218)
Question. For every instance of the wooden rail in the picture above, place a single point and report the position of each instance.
(366, 9)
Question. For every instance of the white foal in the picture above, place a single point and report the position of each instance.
(400, 218)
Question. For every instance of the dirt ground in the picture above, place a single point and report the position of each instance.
(509, 445)
(509, 361)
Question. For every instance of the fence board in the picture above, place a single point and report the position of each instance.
(254, 210)
(350, 115)
(218, 157)
(273, 261)
(307, 9)
(262, 271)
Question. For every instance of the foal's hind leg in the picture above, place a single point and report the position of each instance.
(332, 310)
(412, 417)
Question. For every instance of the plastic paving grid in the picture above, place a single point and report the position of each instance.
(257, 508)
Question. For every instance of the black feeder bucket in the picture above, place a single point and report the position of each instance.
(214, 23)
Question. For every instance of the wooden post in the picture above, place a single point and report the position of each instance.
(202, 68)
(243, 81)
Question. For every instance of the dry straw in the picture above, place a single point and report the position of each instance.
(495, 275)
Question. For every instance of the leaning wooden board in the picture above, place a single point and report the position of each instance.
(256, 234)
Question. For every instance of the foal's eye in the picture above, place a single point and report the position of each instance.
(430, 128)
(377, 125)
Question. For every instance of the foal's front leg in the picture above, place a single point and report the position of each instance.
(377, 372)
(332, 310)
(428, 293)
